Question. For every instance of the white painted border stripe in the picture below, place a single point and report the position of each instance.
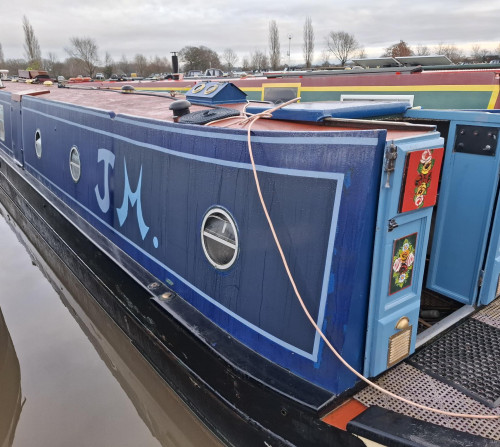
(282, 171)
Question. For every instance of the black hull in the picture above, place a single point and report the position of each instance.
(232, 390)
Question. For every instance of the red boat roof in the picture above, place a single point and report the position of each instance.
(156, 106)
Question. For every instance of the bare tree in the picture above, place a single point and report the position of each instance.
(342, 45)
(109, 65)
(274, 45)
(259, 61)
(13, 65)
(361, 53)
(245, 64)
(124, 66)
(49, 62)
(141, 64)
(230, 58)
(1, 55)
(308, 46)
(73, 67)
(85, 50)
(53, 65)
(451, 52)
(479, 54)
(422, 50)
(31, 46)
(159, 64)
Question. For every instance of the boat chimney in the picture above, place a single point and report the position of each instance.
(175, 65)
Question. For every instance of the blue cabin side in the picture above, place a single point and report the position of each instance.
(150, 187)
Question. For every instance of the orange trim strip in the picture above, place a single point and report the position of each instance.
(343, 414)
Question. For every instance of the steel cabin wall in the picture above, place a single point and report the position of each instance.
(146, 186)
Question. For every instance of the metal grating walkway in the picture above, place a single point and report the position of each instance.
(467, 358)
(418, 386)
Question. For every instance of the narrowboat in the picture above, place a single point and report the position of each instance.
(267, 260)
(474, 86)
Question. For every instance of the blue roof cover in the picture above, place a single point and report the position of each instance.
(317, 111)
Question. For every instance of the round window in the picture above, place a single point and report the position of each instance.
(74, 163)
(219, 238)
(38, 143)
(198, 88)
(211, 89)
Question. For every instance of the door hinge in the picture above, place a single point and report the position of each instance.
(392, 225)
(391, 153)
(481, 277)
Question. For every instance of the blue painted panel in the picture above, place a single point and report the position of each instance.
(322, 199)
(481, 221)
(467, 197)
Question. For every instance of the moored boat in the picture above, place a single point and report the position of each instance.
(160, 217)
(429, 86)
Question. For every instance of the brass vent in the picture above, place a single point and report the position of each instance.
(399, 346)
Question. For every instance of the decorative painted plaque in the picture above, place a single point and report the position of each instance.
(403, 260)
(420, 179)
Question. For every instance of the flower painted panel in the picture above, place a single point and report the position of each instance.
(403, 260)
(421, 179)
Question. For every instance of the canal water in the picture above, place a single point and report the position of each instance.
(68, 375)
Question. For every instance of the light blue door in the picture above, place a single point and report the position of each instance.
(400, 249)
(465, 210)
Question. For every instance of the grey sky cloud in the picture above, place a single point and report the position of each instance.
(155, 27)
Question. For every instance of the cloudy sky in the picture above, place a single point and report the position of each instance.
(157, 27)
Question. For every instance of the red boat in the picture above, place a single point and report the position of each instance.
(437, 87)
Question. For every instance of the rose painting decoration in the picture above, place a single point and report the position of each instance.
(422, 170)
(403, 260)
(423, 181)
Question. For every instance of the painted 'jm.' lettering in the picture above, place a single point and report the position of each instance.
(135, 200)
(109, 160)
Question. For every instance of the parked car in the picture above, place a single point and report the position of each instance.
(115, 77)
(99, 76)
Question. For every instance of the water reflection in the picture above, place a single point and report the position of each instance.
(84, 382)
(10, 387)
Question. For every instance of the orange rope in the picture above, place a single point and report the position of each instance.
(252, 120)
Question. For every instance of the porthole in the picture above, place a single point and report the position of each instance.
(74, 164)
(198, 88)
(219, 238)
(38, 143)
(211, 89)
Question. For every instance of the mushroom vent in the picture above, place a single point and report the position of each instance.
(180, 108)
